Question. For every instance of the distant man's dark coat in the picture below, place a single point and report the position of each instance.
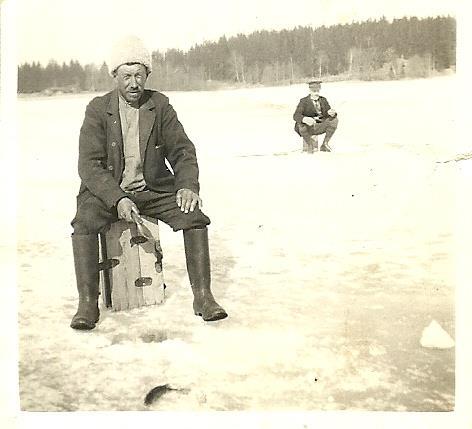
(306, 108)
(161, 136)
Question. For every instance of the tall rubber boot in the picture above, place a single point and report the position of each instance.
(85, 249)
(197, 256)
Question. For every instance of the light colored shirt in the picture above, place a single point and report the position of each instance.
(317, 105)
(133, 177)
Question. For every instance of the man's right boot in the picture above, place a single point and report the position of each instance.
(85, 249)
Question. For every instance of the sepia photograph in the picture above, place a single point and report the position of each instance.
(241, 206)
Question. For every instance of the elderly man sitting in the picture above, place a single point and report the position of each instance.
(126, 138)
(313, 117)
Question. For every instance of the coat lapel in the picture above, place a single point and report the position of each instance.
(147, 117)
(114, 121)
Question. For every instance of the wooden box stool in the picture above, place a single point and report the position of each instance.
(131, 265)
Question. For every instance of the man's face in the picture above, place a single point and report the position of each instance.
(130, 80)
(315, 90)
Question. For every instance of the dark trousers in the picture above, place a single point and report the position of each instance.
(93, 216)
(327, 127)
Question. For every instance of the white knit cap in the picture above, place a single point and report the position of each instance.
(129, 49)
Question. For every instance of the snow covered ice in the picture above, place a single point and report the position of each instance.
(330, 265)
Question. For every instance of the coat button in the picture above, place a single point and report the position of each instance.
(113, 144)
(110, 167)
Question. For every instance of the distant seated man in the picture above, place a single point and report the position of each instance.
(314, 117)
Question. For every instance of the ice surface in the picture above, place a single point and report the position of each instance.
(329, 265)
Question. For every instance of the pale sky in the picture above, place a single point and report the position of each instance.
(84, 30)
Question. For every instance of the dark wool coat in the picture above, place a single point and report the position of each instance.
(161, 136)
(306, 108)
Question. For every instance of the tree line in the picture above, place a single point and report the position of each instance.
(373, 49)
(72, 77)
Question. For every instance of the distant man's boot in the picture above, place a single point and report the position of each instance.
(331, 126)
(325, 147)
(198, 266)
(85, 249)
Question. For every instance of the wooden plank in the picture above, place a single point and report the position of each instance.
(135, 271)
(115, 249)
(153, 294)
(153, 263)
(134, 262)
(130, 269)
(139, 274)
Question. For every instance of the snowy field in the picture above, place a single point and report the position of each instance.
(330, 265)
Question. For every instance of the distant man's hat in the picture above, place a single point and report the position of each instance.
(129, 49)
(314, 82)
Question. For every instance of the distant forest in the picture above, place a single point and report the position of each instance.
(371, 50)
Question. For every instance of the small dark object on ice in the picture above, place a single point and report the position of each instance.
(156, 392)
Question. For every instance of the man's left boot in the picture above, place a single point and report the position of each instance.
(325, 148)
(197, 256)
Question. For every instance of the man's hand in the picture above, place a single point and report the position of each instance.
(332, 112)
(308, 120)
(187, 200)
(127, 210)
